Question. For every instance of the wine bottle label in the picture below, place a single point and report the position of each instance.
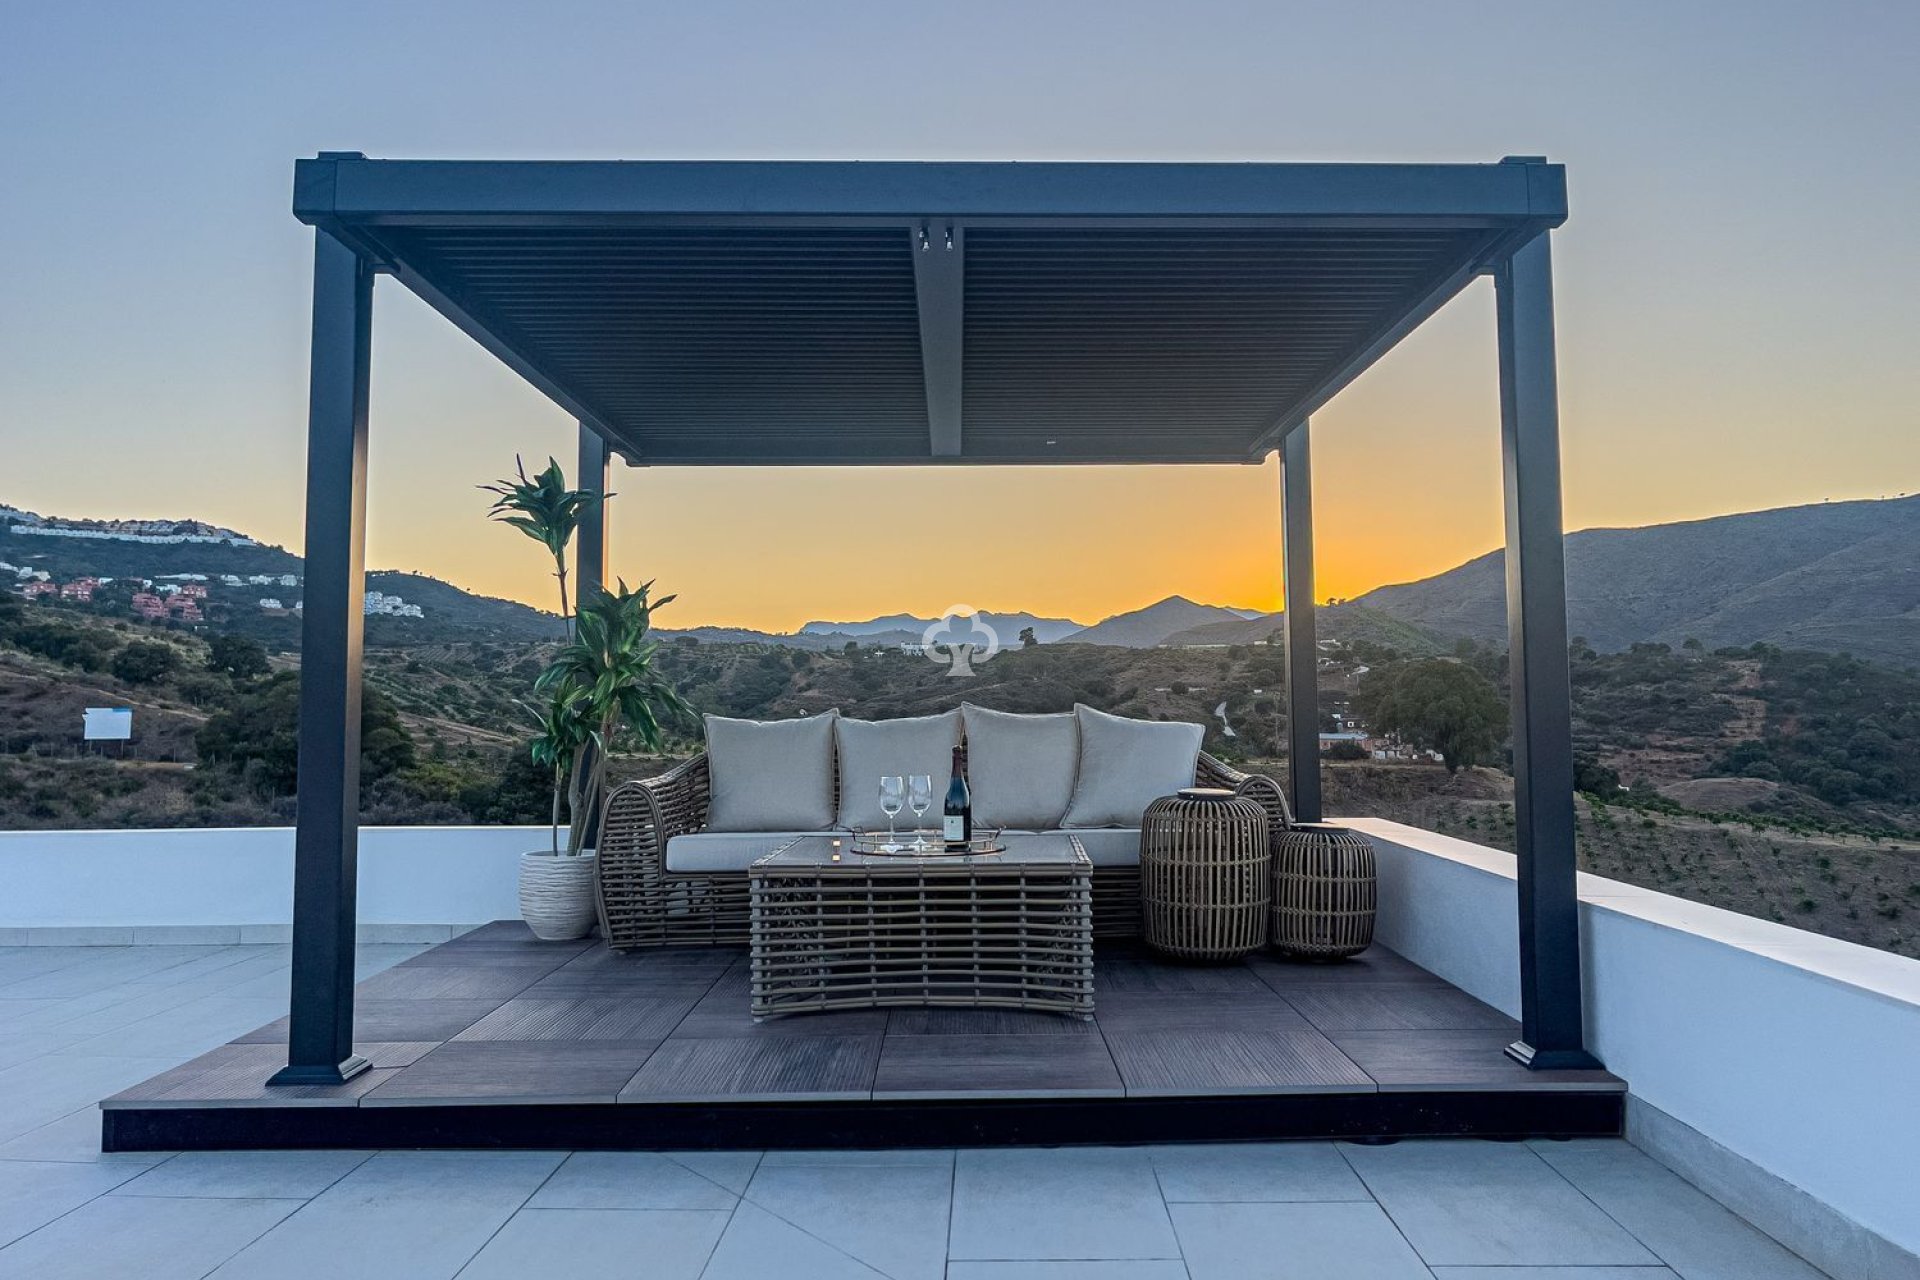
(955, 827)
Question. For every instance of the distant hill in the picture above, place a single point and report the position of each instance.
(1343, 622)
(1151, 626)
(1008, 625)
(451, 614)
(1839, 576)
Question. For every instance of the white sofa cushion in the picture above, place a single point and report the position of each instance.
(709, 851)
(1105, 846)
(872, 749)
(1125, 765)
(771, 775)
(1020, 768)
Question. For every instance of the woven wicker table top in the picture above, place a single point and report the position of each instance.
(1024, 849)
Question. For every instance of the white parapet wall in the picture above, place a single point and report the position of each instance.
(157, 885)
(1755, 1054)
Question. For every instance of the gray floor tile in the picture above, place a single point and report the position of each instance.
(194, 1027)
(895, 1223)
(549, 1071)
(415, 1214)
(46, 1089)
(1027, 1066)
(580, 1018)
(1138, 1270)
(141, 1238)
(1293, 1242)
(1255, 1171)
(871, 1159)
(1486, 1204)
(759, 1246)
(665, 1244)
(1073, 1202)
(1553, 1273)
(634, 1180)
(731, 1169)
(396, 1020)
(34, 1193)
(447, 982)
(1692, 1233)
(73, 1138)
(983, 1022)
(1233, 1061)
(294, 1175)
(1375, 964)
(1388, 1006)
(1169, 1011)
(741, 1068)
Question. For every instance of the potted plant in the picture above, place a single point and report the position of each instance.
(601, 681)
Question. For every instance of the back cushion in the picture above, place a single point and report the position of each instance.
(1020, 768)
(771, 775)
(872, 749)
(1125, 765)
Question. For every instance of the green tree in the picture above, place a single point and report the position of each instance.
(145, 662)
(241, 657)
(258, 736)
(1437, 705)
(1027, 638)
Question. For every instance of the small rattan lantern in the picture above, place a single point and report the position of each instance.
(1206, 878)
(1323, 892)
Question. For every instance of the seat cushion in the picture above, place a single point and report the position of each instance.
(771, 775)
(1020, 768)
(872, 749)
(1105, 846)
(1125, 765)
(708, 851)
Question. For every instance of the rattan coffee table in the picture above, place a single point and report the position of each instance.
(1011, 930)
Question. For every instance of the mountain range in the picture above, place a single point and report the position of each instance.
(1838, 577)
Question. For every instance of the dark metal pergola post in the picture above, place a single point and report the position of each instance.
(326, 843)
(1551, 1032)
(590, 549)
(1303, 650)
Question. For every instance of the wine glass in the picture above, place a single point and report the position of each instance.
(919, 799)
(892, 792)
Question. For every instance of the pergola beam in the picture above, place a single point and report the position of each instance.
(1551, 1018)
(939, 285)
(326, 844)
(396, 192)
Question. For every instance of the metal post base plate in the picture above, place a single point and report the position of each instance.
(322, 1075)
(1552, 1059)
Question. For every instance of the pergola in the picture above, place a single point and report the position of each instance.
(936, 314)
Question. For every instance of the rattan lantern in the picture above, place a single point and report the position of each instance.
(1206, 879)
(1324, 892)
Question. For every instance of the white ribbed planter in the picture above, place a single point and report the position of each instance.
(556, 895)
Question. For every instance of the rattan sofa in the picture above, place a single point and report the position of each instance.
(642, 904)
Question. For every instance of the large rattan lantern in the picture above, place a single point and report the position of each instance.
(1206, 879)
(1323, 892)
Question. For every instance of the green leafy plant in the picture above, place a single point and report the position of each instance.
(602, 681)
(543, 508)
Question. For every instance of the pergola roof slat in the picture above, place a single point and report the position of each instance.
(914, 313)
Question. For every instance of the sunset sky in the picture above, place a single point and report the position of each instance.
(1739, 284)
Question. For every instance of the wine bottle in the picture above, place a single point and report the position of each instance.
(957, 813)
